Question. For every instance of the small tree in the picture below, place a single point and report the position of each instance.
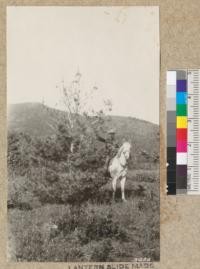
(73, 152)
(82, 120)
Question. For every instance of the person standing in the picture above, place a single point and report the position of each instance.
(111, 147)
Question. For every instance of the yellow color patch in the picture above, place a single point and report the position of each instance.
(181, 122)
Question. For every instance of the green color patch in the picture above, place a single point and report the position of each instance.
(181, 110)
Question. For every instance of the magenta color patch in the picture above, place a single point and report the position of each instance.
(181, 146)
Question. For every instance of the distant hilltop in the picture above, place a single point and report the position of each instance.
(39, 120)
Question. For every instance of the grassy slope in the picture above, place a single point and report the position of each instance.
(138, 219)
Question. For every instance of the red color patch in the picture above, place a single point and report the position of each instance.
(181, 134)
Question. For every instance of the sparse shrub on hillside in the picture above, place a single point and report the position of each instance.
(54, 148)
(75, 180)
(21, 153)
(20, 193)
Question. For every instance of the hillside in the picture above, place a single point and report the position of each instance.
(39, 120)
(34, 119)
(60, 205)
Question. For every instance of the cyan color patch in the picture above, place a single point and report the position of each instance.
(181, 98)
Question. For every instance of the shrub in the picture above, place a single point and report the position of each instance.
(57, 175)
(99, 251)
(91, 224)
(20, 193)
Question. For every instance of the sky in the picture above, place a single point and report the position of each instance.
(116, 49)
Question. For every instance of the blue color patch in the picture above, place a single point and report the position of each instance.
(181, 85)
(181, 98)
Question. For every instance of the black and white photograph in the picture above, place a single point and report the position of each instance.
(83, 133)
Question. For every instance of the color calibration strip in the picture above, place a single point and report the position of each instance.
(183, 132)
(171, 132)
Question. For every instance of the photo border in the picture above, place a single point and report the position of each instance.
(179, 215)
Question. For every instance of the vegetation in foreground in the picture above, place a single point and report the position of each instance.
(59, 202)
(110, 231)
